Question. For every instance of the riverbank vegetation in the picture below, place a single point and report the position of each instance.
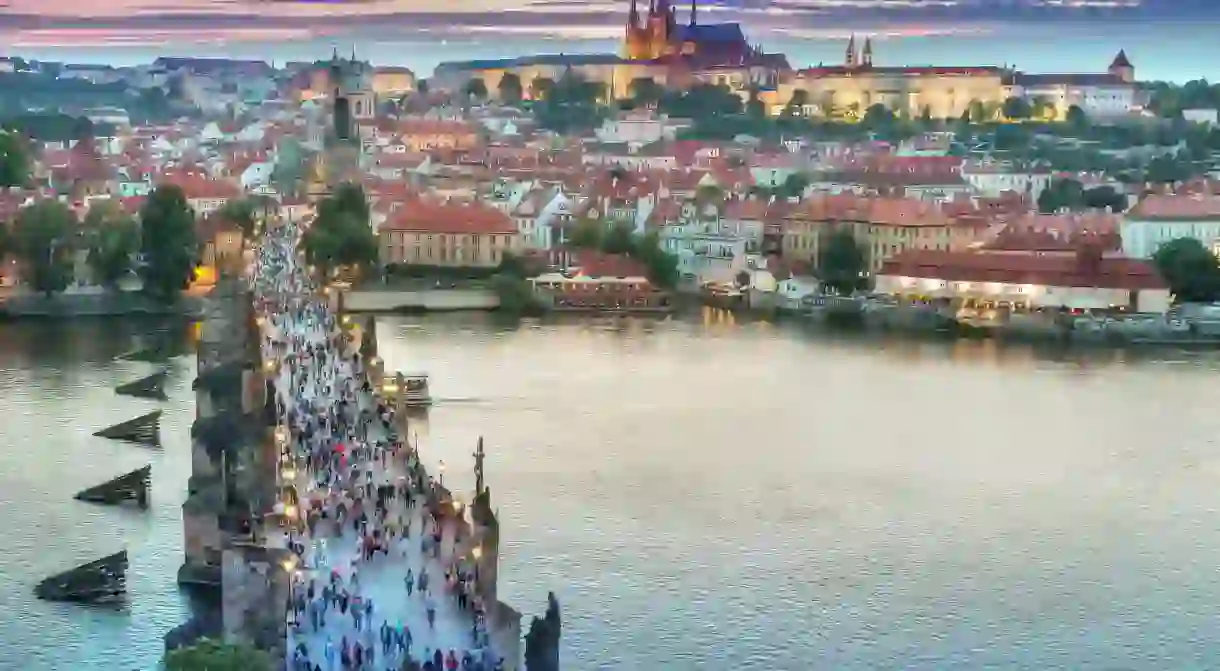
(169, 247)
(212, 655)
(1191, 269)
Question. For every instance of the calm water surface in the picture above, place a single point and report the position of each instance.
(713, 495)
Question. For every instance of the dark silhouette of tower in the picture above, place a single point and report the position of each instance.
(342, 106)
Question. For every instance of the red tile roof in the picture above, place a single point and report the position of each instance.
(596, 264)
(1177, 206)
(427, 216)
(1045, 270)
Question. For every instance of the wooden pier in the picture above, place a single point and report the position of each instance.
(100, 581)
(144, 430)
(131, 486)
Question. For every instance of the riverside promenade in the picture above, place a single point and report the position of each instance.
(387, 570)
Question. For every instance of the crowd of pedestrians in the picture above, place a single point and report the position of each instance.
(379, 584)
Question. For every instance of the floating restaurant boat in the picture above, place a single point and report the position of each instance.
(411, 388)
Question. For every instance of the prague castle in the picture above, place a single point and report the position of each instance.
(656, 46)
(659, 46)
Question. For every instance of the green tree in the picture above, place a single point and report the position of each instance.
(1061, 194)
(168, 243)
(618, 239)
(476, 88)
(114, 240)
(510, 89)
(6, 239)
(1016, 107)
(798, 101)
(662, 266)
(421, 87)
(210, 655)
(14, 162)
(645, 91)
(794, 186)
(240, 212)
(42, 240)
(340, 234)
(587, 234)
(841, 261)
(1104, 198)
(1076, 118)
(541, 87)
(1167, 169)
(1190, 269)
(877, 117)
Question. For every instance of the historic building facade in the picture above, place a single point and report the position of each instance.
(656, 46)
(847, 90)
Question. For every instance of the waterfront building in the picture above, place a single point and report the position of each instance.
(596, 281)
(1160, 218)
(1085, 280)
(883, 226)
(452, 233)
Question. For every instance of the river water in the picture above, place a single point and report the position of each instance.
(706, 494)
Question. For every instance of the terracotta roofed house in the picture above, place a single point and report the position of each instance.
(447, 233)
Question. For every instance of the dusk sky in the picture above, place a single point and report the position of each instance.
(500, 28)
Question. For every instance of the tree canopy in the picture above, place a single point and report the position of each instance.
(14, 160)
(841, 261)
(340, 234)
(510, 89)
(113, 239)
(240, 212)
(1190, 269)
(476, 88)
(168, 243)
(211, 655)
(43, 240)
(1070, 194)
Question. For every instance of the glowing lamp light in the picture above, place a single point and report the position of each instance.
(347, 320)
(290, 511)
(376, 361)
(476, 552)
(290, 564)
(289, 474)
(390, 388)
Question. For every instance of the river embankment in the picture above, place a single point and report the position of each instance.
(110, 304)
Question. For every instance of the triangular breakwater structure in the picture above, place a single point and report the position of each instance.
(131, 486)
(149, 386)
(144, 430)
(100, 581)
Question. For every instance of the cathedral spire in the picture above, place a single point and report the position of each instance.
(867, 56)
(850, 61)
(694, 9)
(634, 16)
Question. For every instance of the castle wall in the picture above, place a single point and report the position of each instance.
(942, 95)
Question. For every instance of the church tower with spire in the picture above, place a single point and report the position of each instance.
(851, 59)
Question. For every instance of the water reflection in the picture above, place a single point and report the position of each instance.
(719, 493)
(57, 387)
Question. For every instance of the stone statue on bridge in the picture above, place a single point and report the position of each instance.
(542, 640)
